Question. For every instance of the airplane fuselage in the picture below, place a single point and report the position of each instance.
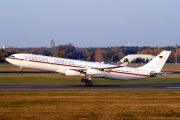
(76, 67)
(128, 73)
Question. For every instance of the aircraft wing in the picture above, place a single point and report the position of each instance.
(98, 68)
(122, 65)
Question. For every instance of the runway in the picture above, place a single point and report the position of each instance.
(60, 87)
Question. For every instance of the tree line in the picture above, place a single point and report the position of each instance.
(106, 54)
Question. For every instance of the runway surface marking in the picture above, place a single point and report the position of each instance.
(94, 87)
(173, 87)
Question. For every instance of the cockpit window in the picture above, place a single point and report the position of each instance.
(12, 56)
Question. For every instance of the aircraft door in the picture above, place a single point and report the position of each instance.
(52, 61)
(21, 57)
(137, 72)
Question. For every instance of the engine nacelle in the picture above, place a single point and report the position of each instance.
(72, 73)
(93, 72)
(153, 73)
(69, 72)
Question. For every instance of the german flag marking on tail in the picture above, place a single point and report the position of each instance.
(160, 57)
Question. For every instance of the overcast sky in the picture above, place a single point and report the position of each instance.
(89, 23)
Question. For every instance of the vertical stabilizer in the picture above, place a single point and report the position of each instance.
(158, 62)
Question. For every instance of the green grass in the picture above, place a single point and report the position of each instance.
(7, 66)
(10, 67)
(90, 105)
(61, 79)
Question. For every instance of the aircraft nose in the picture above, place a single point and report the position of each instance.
(7, 59)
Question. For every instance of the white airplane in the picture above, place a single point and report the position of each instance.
(87, 69)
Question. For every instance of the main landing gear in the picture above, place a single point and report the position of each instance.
(87, 81)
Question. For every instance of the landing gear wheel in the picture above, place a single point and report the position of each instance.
(90, 84)
(83, 80)
(87, 83)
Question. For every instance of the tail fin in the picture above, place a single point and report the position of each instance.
(158, 62)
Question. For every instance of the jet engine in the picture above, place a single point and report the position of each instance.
(69, 72)
(153, 73)
(93, 72)
(72, 73)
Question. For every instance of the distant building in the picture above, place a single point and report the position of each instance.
(128, 44)
(52, 43)
(135, 57)
(4, 47)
